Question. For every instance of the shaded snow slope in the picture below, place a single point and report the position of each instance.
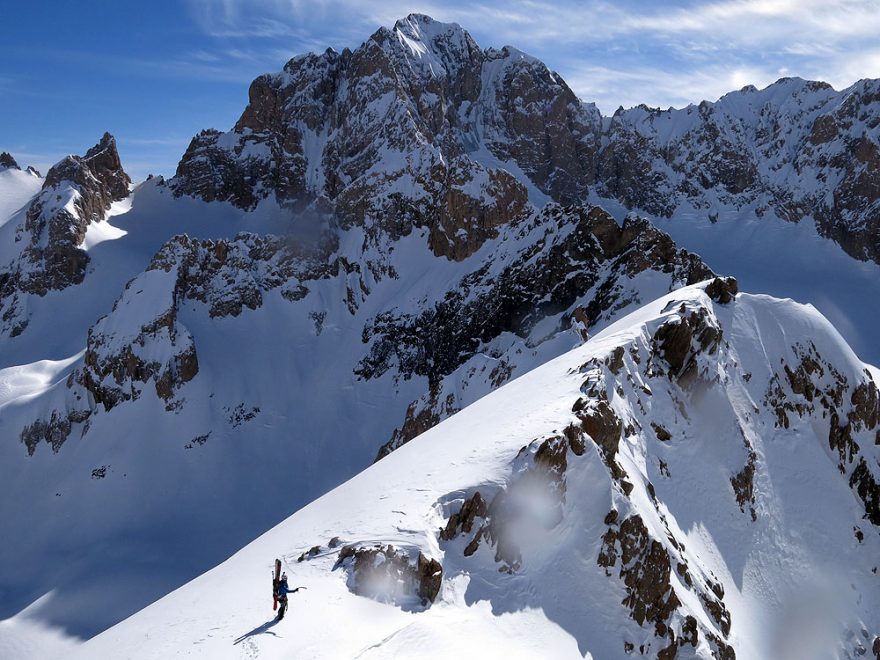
(688, 481)
(784, 259)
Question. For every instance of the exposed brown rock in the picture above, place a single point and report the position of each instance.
(602, 424)
(463, 521)
(681, 338)
(817, 386)
(824, 130)
(722, 289)
(645, 570)
(662, 434)
(868, 490)
(430, 578)
(77, 191)
(743, 484)
(615, 360)
(420, 416)
(54, 431)
(546, 464)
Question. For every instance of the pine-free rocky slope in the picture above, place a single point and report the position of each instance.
(154, 413)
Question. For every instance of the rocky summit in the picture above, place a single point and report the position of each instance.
(421, 125)
(8, 162)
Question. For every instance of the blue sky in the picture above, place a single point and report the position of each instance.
(155, 73)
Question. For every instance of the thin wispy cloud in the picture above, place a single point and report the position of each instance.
(617, 53)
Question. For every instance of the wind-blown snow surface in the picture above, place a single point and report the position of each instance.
(795, 579)
(16, 189)
(277, 414)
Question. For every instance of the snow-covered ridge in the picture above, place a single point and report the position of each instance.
(676, 487)
(360, 258)
(277, 365)
(578, 263)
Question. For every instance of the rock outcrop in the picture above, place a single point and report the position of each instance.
(667, 586)
(143, 343)
(365, 133)
(391, 574)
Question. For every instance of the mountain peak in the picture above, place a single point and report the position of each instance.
(415, 22)
(421, 34)
(104, 164)
(7, 162)
(106, 142)
(104, 157)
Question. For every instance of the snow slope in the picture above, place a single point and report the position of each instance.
(783, 259)
(774, 570)
(278, 412)
(16, 189)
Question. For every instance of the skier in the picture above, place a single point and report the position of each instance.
(281, 591)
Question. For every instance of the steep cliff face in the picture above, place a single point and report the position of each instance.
(7, 162)
(372, 134)
(76, 193)
(581, 267)
(798, 149)
(420, 124)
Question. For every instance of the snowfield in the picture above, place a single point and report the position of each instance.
(16, 189)
(797, 582)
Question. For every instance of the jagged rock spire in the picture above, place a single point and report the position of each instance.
(7, 162)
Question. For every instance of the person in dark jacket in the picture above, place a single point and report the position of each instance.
(281, 592)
